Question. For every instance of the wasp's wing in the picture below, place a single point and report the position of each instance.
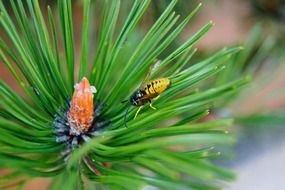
(149, 96)
(150, 71)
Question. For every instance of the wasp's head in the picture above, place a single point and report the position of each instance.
(133, 100)
(136, 98)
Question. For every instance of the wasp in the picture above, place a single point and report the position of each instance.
(146, 93)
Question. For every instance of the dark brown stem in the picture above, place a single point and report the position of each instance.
(91, 166)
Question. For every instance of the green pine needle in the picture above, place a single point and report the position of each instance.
(169, 148)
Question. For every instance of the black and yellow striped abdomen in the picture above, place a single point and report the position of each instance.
(156, 87)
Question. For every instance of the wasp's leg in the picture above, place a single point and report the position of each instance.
(138, 111)
(150, 105)
(156, 97)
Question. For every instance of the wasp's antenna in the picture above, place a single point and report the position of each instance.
(124, 101)
(125, 118)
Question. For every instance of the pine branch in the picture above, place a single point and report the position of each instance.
(169, 148)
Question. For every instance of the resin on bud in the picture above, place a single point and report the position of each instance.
(81, 112)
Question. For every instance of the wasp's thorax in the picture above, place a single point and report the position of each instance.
(81, 112)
